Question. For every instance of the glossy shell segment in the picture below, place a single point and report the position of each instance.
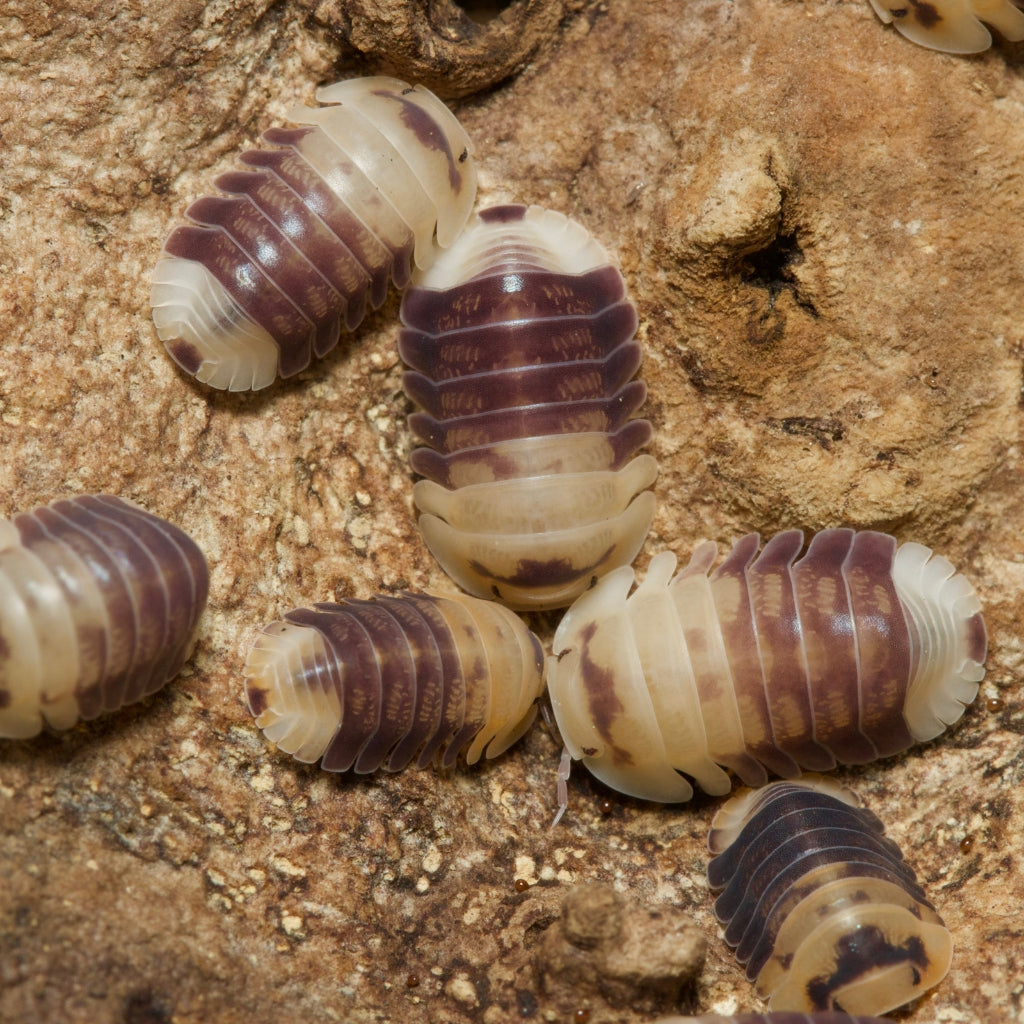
(522, 357)
(776, 1018)
(99, 603)
(383, 683)
(953, 26)
(774, 662)
(308, 232)
(820, 905)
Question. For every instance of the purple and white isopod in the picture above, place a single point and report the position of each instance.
(522, 355)
(819, 905)
(99, 603)
(264, 276)
(374, 684)
(771, 663)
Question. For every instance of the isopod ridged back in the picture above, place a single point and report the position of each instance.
(770, 663)
(263, 277)
(820, 905)
(522, 355)
(364, 685)
(99, 603)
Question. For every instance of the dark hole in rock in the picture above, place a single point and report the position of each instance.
(771, 267)
(483, 11)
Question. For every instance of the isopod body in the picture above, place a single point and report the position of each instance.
(775, 1018)
(522, 355)
(770, 663)
(99, 603)
(363, 685)
(820, 905)
(309, 231)
(953, 26)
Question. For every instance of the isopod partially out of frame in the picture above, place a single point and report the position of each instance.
(99, 603)
(953, 26)
(770, 663)
(820, 906)
(308, 233)
(783, 1017)
(364, 685)
(522, 355)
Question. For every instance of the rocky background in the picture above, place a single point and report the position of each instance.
(821, 225)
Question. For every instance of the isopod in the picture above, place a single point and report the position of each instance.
(368, 684)
(310, 230)
(99, 603)
(776, 1018)
(953, 26)
(776, 663)
(819, 904)
(522, 355)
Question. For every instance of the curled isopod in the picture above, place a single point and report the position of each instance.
(522, 355)
(820, 906)
(310, 230)
(776, 1018)
(363, 685)
(99, 603)
(953, 26)
(772, 662)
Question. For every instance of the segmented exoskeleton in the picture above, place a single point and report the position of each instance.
(308, 233)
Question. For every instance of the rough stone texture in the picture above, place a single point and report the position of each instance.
(821, 225)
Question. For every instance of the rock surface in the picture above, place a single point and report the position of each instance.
(820, 224)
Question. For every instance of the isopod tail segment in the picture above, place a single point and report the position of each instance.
(770, 663)
(309, 231)
(415, 678)
(521, 348)
(952, 26)
(99, 605)
(819, 905)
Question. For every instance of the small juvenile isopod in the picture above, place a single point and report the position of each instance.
(819, 904)
(369, 684)
(310, 230)
(99, 603)
(776, 1018)
(771, 663)
(522, 355)
(953, 26)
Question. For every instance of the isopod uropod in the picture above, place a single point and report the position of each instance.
(264, 275)
(368, 684)
(819, 904)
(99, 602)
(953, 26)
(521, 348)
(771, 663)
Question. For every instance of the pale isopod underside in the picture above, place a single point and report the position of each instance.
(819, 904)
(953, 26)
(770, 663)
(265, 275)
(522, 355)
(383, 683)
(99, 603)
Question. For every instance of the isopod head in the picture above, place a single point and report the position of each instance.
(99, 603)
(309, 231)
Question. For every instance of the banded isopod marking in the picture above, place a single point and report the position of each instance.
(953, 26)
(364, 685)
(776, 1018)
(771, 663)
(819, 904)
(522, 355)
(99, 603)
(310, 230)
